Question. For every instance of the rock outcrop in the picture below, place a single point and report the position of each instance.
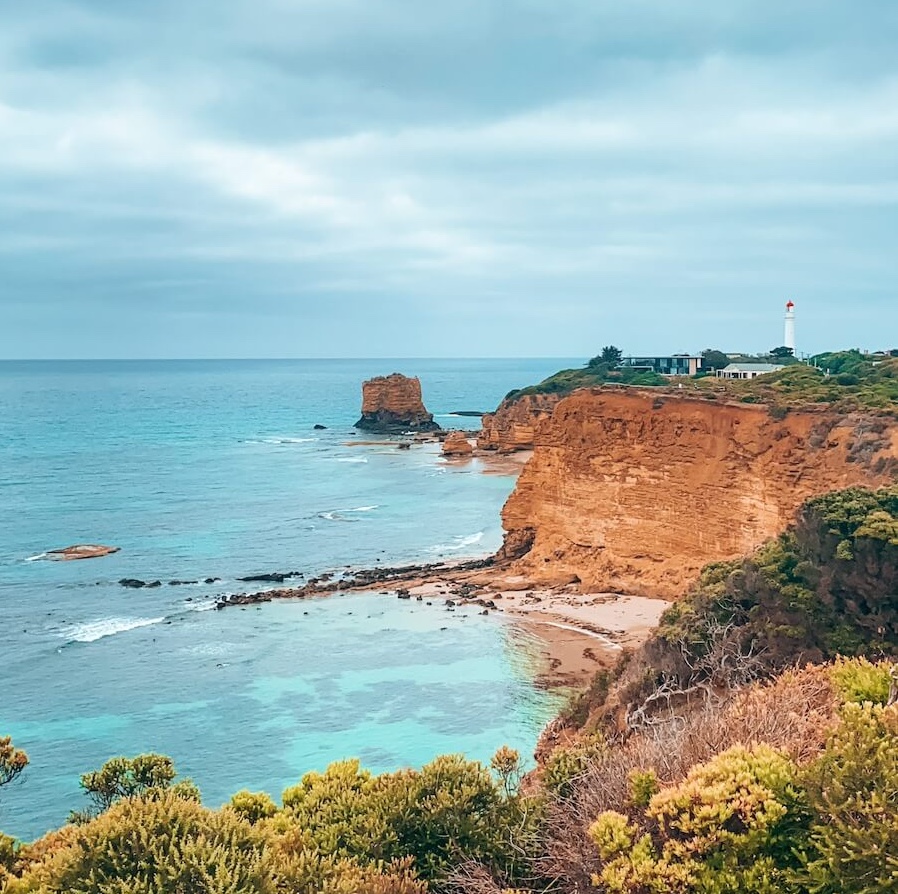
(633, 492)
(513, 425)
(82, 551)
(457, 445)
(392, 404)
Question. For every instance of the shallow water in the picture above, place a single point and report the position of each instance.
(212, 469)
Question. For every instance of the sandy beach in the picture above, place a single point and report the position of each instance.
(581, 632)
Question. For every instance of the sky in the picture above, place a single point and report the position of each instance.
(396, 178)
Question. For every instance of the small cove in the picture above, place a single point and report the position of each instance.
(214, 470)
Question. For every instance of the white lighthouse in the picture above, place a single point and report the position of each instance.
(789, 337)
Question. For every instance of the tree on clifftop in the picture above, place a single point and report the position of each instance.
(713, 359)
(610, 357)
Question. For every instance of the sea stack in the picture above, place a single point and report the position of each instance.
(457, 445)
(392, 404)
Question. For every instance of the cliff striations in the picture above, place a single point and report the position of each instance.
(513, 424)
(392, 404)
(633, 492)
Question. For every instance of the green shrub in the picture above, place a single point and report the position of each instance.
(853, 790)
(730, 826)
(159, 845)
(860, 680)
(449, 811)
(123, 777)
(8, 851)
(253, 806)
(643, 787)
(566, 764)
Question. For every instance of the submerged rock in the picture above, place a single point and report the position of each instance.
(274, 577)
(393, 404)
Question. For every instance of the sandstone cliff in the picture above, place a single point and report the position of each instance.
(393, 404)
(634, 492)
(513, 425)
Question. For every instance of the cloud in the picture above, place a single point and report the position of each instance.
(644, 173)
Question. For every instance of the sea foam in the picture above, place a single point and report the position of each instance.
(337, 514)
(458, 543)
(93, 630)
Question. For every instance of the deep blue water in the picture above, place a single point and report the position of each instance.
(213, 469)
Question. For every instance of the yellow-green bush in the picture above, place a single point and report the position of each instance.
(853, 788)
(253, 806)
(449, 811)
(860, 680)
(161, 845)
(567, 763)
(726, 828)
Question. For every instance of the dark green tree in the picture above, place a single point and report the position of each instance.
(612, 355)
(609, 358)
(713, 359)
(782, 352)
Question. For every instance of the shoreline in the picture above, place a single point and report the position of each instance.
(578, 633)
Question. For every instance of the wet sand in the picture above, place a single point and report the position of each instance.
(580, 632)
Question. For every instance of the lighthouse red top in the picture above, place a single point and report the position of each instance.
(790, 305)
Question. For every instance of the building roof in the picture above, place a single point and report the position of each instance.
(753, 367)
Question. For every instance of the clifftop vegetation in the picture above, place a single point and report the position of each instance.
(843, 380)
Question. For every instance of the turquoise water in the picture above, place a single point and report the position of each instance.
(213, 469)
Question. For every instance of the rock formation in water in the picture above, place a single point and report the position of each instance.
(632, 492)
(392, 404)
(82, 551)
(457, 445)
(512, 426)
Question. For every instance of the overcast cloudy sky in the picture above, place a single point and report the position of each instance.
(247, 178)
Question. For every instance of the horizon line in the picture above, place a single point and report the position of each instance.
(269, 359)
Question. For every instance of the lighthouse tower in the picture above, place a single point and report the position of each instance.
(789, 338)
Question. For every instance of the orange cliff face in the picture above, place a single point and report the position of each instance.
(513, 425)
(393, 404)
(632, 492)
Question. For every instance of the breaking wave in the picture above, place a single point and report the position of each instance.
(338, 514)
(458, 543)
(94, 630)
(278, 441)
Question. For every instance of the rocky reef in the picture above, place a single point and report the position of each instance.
(635, 492)
(393, 404)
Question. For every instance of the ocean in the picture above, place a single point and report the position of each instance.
(213, 469)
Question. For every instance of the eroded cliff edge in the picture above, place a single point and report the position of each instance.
(633, 492)
(513, 426)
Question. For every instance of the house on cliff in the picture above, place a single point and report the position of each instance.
(747, 370)
(672, 365)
